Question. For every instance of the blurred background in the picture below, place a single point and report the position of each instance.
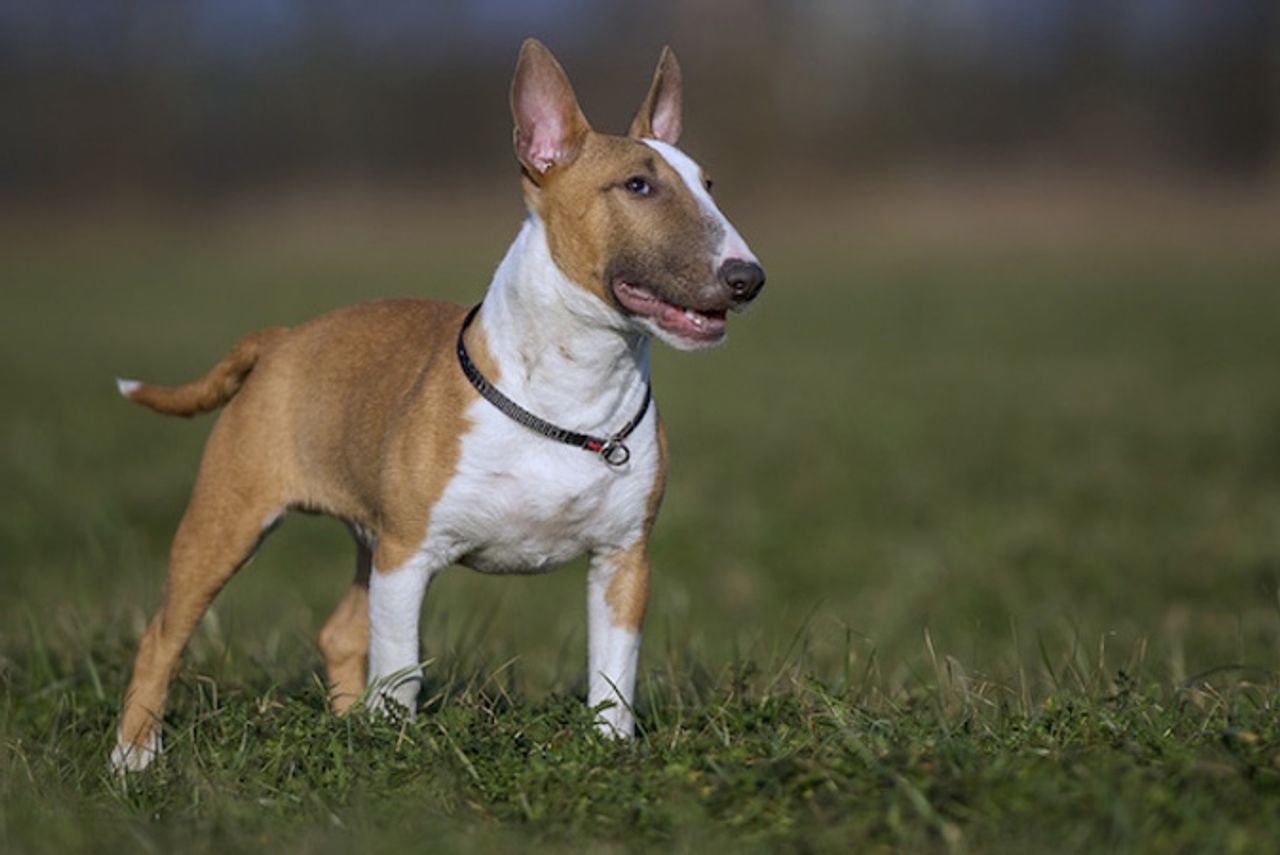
(192, 101)
(1015, 378)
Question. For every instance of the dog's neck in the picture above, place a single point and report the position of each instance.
(561, 352)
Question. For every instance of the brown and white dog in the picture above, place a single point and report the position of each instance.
(366, 415)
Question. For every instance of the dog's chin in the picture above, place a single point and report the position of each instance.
(683, 328)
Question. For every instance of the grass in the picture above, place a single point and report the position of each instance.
(963, 550)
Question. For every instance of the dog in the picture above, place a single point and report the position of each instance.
(510, 438)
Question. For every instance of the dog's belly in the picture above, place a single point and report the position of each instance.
(520, 503)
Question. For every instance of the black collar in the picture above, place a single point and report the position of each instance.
(611, 449)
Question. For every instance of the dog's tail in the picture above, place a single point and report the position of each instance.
(210, 391)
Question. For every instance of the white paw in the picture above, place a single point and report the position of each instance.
(126, 757)
(396, 695)
(616, 722)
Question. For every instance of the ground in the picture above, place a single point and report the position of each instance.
(965, 548)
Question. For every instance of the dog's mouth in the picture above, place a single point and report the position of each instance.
(702, 326)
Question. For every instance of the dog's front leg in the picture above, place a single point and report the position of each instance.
(395, 603)
(617, 593)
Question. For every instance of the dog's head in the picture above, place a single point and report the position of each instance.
(630, 218)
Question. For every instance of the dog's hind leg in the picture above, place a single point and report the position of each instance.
(227, 518)
(344, 640)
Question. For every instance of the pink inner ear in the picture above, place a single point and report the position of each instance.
(540, 135)
(539, 143)
(666, 120)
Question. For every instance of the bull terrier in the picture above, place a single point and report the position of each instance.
(509, 438)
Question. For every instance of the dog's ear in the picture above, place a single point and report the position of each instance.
(550, 126)
(659, 115)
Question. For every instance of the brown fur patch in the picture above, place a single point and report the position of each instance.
(344, 640)
(332, 418)
(599, 232)
(628, 592)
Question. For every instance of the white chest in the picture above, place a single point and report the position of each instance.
(520, 502)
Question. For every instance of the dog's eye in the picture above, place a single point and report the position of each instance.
(708, 183)
(638, 185)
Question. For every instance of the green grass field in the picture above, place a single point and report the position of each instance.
(963, 550)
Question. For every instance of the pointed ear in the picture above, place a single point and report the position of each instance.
(659, 115)
(550, 126)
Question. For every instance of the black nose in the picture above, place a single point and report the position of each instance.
(743, 278)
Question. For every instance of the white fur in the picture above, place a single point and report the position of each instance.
(127, 387)
(612, 654)
(126, 757)
(395, 599)
(520, 502)
(732, 245)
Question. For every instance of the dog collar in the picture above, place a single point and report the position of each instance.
(612, 449)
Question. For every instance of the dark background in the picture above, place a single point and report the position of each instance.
(192, 100)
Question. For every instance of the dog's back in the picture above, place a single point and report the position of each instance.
(294, 397)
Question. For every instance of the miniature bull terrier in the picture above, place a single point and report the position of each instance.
(509, 438)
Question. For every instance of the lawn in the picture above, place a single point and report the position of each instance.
(964, 549)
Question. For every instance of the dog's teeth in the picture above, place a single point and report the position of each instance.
(697, 319)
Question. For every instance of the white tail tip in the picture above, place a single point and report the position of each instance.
(127, 387)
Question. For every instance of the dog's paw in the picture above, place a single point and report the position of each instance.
(128, 757)
(395, 697)
(615, 721)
